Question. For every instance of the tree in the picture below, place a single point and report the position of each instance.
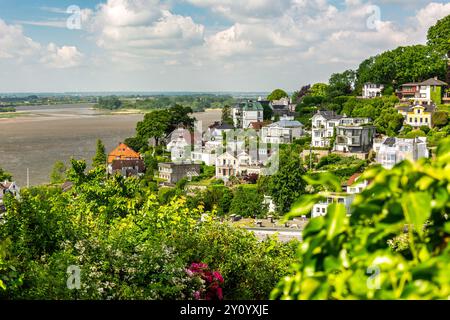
(5, 176)
(100, 155)
(179, 115)
(438, 36)
(58, 174)
(226, 115)
(287, 183)
(247, 202)
(136, 143)
(440, 119)
(277, 94)
(267, 112)
(155, 125)
(341, 84)
(298, 95)
(110, 103)
(318, 90)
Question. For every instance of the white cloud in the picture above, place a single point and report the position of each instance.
(15, 46)
(62, 57)
(143, 29)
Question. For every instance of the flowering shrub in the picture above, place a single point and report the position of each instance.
(210, 280)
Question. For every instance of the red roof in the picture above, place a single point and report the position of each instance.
(353, 178)
(123, 152)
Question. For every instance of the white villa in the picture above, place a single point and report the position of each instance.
(394, 150)
(372, 90)
(283, 131)
(323, 125)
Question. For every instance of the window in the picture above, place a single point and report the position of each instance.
(410, 120)
(426, 120)
(341, 200)
(323, 210)
(318, 210)
(421, 120)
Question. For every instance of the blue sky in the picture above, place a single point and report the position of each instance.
(199, 45)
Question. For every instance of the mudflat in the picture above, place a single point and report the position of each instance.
(45, 134)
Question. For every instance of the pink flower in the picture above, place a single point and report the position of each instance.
(218, 276)
(219, 293)
(197, 295)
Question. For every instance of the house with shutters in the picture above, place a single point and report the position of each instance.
(418, 114)
(431, 90)
(372, 90)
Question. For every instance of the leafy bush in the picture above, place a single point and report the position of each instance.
(365, 256)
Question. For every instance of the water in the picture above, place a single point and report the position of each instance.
(45, 134)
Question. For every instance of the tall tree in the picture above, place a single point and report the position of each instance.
(100, 155)
(439, 39)
(287, 184)
(341, 84)
(277, 94)
(58, 174)
(154, 125)
(226, 115)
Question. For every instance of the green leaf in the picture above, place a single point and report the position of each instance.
(416, 208)
(336, 219)
(325, 179)
(303, 205)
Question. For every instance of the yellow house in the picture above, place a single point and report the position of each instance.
(418, 115)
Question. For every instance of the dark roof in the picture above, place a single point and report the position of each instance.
(225, 126)
(389, 142)
(433, 82)
(329, 114)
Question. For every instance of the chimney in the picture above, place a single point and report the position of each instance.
(435, 78)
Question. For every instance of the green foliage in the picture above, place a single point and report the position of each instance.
(340, 254)
(136, 143)
(58, 174)
(7, 109)
(100, 155)
(341, 84)
(110, 103)
(127, 244)
(318, 90)
(159, 123)
(440, 119)
(247, 202)
(5, 176)
(277, 94)
(287, 183)
(227, 117)
(438, 36)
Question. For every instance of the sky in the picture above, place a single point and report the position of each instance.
(198, 45)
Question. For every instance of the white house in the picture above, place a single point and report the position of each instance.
(283, 131)
(323, 125)
(247, 112)
(208, 156)
(372, 90)
(226, 166)
(7, 187)
(395, 150)
(354, 186)
(321, 208)
(180, 144)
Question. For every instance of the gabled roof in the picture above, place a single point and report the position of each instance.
(328, 114)
(122, 151)
(287, 124)
(353, 178)
(433, 82)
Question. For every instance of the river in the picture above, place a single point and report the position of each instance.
(41, 135)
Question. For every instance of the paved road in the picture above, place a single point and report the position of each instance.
(284, 235)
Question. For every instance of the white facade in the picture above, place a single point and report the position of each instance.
(8, 187)
(395, 150)
(246, 113)
(283, 131)
(203, 155)
(372, 90)
(321, 208)
(323, 125)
